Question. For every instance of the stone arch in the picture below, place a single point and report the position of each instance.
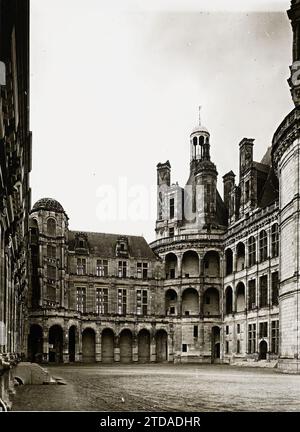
(240, 297)
(56, 344)
(190, 302)
(171, 262)
(171, 302)
(211, 302)
(228, 261)
(35, 343)
(263, 350)
(240, 256)
(88, 345)
(126, 346)
(107, 345)
(228, 300)
(161, 340)
(211, 264)
(190, 264)
(144, 346)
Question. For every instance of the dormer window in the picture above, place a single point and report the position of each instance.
(81, 242)
(122, 247)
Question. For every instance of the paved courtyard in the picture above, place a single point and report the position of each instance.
(162, 388)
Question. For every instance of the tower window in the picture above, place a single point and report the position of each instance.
(274, 240)
(171, 232)
(251, 338)
(252, 251)
(263, 291)
(275, 289)
(172, 210)
(263, 246)
(196, 332)
(184, 347)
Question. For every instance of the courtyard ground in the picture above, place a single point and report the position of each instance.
(162, 387)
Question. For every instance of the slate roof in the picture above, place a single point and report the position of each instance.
(104, 245)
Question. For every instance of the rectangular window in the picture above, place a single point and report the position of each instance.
(275, 288)
(263, 291)
(251, 295)
(238, 346)
(51, 251)
(196, 332)
(252, 251)
(226, 347)
(122, 269)
(142, 270)
(263, 246)
(251, 338)
(274, 337)
(81, 300)
(263, 329)
(172, 208)
(274, 240)
(238, 328)
(141, 302)
(51, 272)
(81, 266)
(102, 267)
(122, 301)
(171, 232)
(184, 347)
(247, 190)
(102, 301)
(227, 329)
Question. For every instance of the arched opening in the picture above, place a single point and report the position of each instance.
(229, 261)
(171, 302)
(240, 297)
(35, 344)
(215, 344)
(161, 339)
(211, 306)
(190, 264)
(107, 346)
(171, 266)
(88, 346)
(211, 263)
(51, 227)
(144, 346)
(263, 349)
(56, 344)
(190, 302)
(240, 256)
(126, 346)
(228, 300)
(72, 343)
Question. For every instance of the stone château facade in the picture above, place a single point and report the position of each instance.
(220, 283)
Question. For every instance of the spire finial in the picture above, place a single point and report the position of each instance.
(200, 106)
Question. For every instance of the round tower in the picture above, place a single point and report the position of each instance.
(48, 228)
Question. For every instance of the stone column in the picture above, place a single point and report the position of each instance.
(66, 343)
(135, 355)
(179, 265)
(117, 349)
(152, 347)
(45, 344)
(98, 347)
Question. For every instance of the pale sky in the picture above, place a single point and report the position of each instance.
(115, 89)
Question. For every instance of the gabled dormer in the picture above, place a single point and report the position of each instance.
(81, 243)
(122, 247)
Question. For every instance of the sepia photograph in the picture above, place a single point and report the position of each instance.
(149, 211)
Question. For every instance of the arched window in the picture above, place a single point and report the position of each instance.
(274, 240)
(229, 261)
(51, 227)
(251, 251)
(263, 246)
